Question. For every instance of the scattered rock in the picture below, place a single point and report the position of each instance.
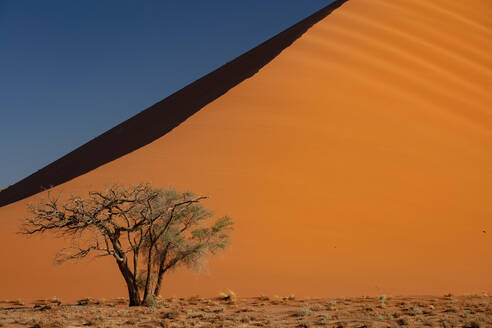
(170, 315)
(88, 301)
(40, 307)
(402, 322)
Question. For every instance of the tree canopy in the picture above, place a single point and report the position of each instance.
(148, 231)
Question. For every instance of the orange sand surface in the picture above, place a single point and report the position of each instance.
(359, 161)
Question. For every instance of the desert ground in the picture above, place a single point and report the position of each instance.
(263, 311)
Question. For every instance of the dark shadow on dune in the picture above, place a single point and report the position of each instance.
(162, 117)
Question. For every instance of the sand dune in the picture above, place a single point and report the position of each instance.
(162, 117)
(357, 161)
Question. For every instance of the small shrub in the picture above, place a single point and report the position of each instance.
(263, 298)
(303, 313)
(150, 301)
(228, 295)
(276, 300)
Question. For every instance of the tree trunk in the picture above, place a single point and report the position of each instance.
(149, 273)
(161, 272)
(134, 296)
(159, 279)
(133, 293)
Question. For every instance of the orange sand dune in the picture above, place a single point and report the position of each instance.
(358, 161)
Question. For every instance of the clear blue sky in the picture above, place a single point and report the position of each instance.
(70, 70)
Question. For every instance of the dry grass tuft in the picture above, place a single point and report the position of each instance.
(263, 298)
(228, 296)
(303, 313)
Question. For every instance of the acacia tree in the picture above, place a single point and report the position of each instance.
(139, 226)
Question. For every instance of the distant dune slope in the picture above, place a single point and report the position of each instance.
(358, 161)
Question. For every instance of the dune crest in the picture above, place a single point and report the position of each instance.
(357, 161)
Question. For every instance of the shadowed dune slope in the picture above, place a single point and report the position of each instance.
(358, 161)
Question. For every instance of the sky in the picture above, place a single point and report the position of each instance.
(70, 70)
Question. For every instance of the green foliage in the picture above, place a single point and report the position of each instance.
(187, 237)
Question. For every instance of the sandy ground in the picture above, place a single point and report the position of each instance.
(446, 311)
(358, 161)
